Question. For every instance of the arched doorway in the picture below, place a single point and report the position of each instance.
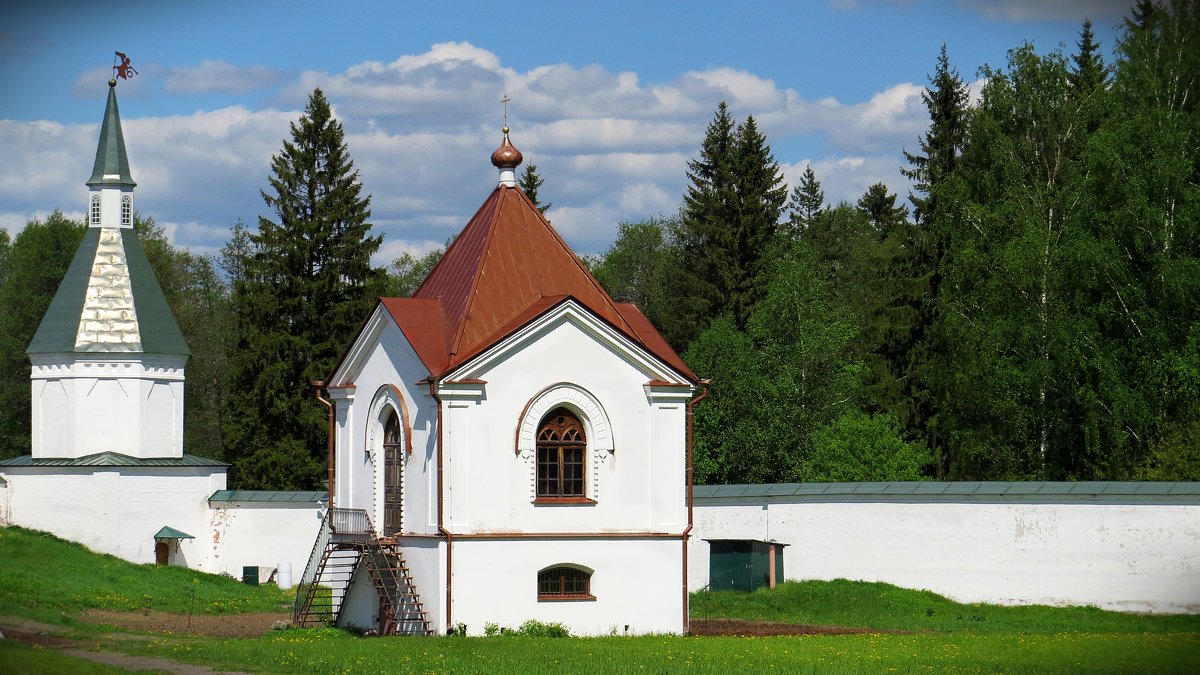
(392, 476)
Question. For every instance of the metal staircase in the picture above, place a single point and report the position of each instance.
(346, 546)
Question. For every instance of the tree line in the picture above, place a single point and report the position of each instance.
(1030, 313)
(1034, 316)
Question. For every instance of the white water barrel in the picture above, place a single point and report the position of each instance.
(283, 576)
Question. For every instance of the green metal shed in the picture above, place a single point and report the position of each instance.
(744, 564)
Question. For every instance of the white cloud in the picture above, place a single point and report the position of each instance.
(220, 76)
(421, 127)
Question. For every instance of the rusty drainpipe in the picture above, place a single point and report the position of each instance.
(318, 386)
(687, 532)
(440, 509)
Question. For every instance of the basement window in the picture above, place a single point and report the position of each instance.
(564, 582)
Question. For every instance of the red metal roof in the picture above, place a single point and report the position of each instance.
(507, 267)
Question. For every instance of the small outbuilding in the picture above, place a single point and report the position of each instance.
(744, 564)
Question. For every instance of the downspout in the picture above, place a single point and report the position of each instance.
(318, 386)
(687, 531)
(440, 509)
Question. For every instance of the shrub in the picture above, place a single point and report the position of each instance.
(535, 628)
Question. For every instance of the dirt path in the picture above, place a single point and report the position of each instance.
(212, 625)
(49, 637)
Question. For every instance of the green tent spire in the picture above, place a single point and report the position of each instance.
(112, 165)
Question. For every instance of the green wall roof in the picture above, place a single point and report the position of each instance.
(1046, 492)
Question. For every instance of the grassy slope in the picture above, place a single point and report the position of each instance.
(44, 577)
(883, 606)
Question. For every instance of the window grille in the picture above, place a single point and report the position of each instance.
(95, 209)
(561, 448)
(564, 583)
(126, 211)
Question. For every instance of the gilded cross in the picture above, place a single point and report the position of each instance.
(505, 101)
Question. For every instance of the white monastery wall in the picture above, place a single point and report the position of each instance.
(118, 510)
(636, 583)
(492, 486)
(261, 534)
(1127, 557)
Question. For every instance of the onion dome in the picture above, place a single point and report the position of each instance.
(507, 158)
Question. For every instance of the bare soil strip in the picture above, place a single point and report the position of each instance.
(213, 625)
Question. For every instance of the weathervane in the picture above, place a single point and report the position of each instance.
(505, 101)
(122, 70)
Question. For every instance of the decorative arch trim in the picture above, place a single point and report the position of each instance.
(591, 413)
(388, 393)
(574, 566)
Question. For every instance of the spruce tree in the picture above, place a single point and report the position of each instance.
(942, 145)
(913, 345)
(529, 182)
(1087, 66)
(807, 202)
(308, 283)
(881, 208)
(730, 215)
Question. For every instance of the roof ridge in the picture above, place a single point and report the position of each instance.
(477, 271)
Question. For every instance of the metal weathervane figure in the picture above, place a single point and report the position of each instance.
(123, 69)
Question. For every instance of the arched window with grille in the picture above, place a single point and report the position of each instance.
(565, 582)
(561, 455)
(95, 212)
(393, 457)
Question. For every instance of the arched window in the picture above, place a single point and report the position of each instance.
(126, 211)
(561, 449)
(565, 583)
(393, 449)
(95, 209)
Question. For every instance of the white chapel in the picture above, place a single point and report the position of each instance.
(518, 441)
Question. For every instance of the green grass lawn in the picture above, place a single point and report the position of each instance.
(331, 651)
(45, 578)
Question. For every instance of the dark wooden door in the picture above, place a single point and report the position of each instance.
(393, 488)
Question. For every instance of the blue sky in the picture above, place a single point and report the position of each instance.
(609, 99)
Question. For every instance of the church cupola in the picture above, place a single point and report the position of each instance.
(108, 357)
(507, 158)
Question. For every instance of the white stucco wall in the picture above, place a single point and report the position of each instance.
(261, 534)
(1127, 557)
(638, 482)
(637, 583)
(118, 510)
(385, 361)
(140, 398)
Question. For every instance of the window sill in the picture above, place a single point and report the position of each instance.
(566, 598)
(564, 500)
